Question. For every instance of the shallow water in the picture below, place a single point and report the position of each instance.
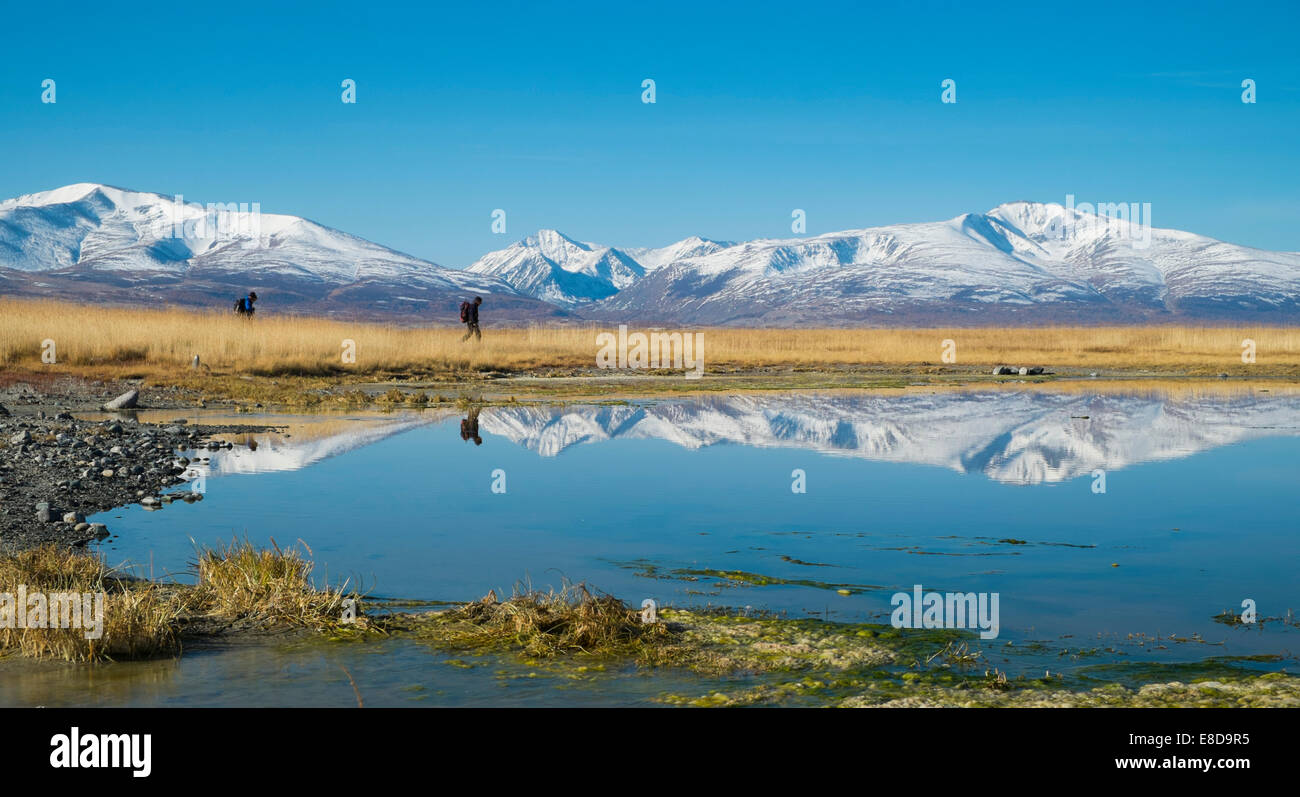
(389, 673)
(959, 491)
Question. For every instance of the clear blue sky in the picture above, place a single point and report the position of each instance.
(762, 108)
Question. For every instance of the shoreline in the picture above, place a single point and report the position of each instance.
(57, 470)
(69, 389)
(698, 657)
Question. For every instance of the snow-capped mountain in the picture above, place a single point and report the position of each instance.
(558, 269)
(1021, 260)
(91, 241)
(651, 258)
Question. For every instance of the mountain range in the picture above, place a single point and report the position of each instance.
(1021, 262)
(95, 243)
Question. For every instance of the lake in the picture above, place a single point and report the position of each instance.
(1123, 521)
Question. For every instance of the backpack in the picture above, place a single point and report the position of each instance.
(239, 305)
(464, 312)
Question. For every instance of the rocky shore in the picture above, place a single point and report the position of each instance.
(57, 470)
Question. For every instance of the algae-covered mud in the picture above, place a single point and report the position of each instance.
(401, 658)
(1106, 549)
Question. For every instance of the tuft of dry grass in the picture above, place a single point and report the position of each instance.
(139, 618)
(270, 586)
(142, 342)
(144, 619)
(551, 623)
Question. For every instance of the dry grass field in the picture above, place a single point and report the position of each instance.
(113, 341)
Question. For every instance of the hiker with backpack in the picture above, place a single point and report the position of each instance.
(469, 315)
(244, 305)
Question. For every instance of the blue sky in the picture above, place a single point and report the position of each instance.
(761, 108)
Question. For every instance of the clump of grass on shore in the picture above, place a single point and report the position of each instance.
(139, 617)
(145, 619)
(273, 586)
(544, 624)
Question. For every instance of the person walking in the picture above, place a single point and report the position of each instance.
(244, 304)
(469, 317)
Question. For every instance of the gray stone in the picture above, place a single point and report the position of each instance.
(22, 438)
(126, 401)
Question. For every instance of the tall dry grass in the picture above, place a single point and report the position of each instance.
(149, 341)
(271, 586)
(139, 618)
(143, 619)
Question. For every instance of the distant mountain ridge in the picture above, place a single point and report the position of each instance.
(91, 242)
(1021, 262)
(558, 269)
(555, 268)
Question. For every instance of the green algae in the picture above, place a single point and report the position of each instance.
(762, 659)
(742, 577)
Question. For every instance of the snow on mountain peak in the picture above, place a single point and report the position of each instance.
(556, 246)
(1063, 262)
(108, 243)
(78, 192)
